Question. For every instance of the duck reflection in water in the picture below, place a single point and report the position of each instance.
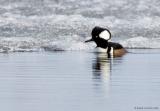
(102, 66)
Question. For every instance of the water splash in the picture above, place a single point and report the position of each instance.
(141, 42)
(27, 25)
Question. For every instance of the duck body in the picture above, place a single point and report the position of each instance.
(112, 49)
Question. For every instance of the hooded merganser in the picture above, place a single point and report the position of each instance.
(101, 36)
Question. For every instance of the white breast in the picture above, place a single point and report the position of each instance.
(99, 49)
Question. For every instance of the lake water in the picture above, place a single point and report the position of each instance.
(80, 81)
(46, 66)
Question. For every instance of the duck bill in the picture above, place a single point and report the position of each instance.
(90, 40)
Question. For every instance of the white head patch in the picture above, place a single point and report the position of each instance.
(105, 35)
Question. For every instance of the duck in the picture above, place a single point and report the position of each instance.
(101, 37)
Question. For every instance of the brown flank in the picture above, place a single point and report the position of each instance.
(119, 52)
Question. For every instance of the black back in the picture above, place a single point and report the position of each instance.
(115, 45)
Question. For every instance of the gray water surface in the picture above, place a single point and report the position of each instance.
(79, 81)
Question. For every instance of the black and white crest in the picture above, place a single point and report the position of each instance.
(101, 33)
